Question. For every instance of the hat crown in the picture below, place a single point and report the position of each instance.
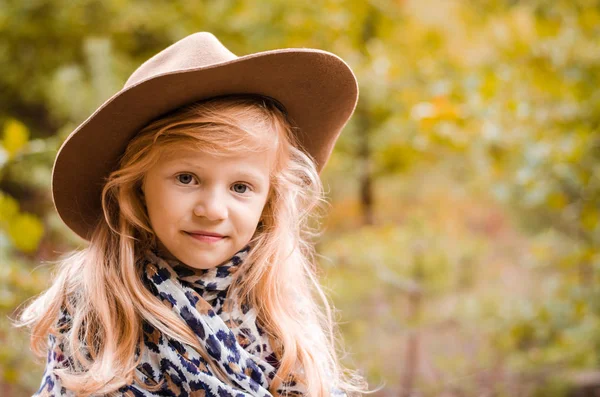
(194, 51)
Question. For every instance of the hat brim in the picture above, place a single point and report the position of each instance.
(317, 88)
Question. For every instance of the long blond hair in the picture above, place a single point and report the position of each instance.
(102, 288)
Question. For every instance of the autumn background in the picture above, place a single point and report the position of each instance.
(462, 244)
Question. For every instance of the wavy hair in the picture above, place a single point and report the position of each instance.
(102, 288)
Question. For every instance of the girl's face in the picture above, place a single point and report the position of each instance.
(189, 193)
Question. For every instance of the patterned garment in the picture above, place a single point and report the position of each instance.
(234, 340)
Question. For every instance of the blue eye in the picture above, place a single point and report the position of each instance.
(186, 180)
(242, 185)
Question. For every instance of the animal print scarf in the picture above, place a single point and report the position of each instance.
(231, 335)
(233, 339)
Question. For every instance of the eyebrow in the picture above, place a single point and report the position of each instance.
(242, 173)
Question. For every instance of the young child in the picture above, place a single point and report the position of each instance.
(194, 185)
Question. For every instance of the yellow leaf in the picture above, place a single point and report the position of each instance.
(444, 109)
(11, 375)
(580, 309)
(589, 217)
(557, 200)
(26, 231)
(16, 136)
(9, 208)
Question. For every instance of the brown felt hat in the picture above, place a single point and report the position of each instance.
(317, 88)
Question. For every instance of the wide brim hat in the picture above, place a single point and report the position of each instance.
(317, 88)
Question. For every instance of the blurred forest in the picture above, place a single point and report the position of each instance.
(462, 245)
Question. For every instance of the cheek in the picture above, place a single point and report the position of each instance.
(258, 212)
(162, 205)
(247, 214)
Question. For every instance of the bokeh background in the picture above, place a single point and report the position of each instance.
(461, 246)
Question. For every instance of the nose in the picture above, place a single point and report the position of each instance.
(211, 206)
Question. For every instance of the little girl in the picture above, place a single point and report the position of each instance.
(193, 186)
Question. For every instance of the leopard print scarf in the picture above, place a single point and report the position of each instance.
(231, 335)
(233, 339)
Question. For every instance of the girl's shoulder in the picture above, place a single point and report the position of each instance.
(59, 339)
(57, 357)
(58, 335)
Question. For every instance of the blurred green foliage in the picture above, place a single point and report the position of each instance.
(476, 135)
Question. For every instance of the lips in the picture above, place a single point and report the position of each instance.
(205, 233)
(206, 238)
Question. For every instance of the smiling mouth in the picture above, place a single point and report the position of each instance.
(205, 238)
